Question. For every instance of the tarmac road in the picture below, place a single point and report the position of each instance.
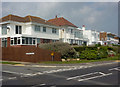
(67, 75)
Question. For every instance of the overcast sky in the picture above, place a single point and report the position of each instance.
(101, 16)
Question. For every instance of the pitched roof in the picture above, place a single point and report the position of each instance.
(12, 18)
(25, 19)
(61, 22)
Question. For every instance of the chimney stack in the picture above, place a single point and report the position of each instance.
(83, 27)
(56, 16)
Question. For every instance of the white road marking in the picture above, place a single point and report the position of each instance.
(102, 74)
(13, 72)
(58, 70)
(12, 78)
(38, 85)
(95, 77)
(1, 79)
(81, 76)
(42, 84)
(117, 68)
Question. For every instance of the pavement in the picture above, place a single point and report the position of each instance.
(36, 75)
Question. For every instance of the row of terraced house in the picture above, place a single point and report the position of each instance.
(19, 31)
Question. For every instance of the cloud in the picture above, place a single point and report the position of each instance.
(101, 16)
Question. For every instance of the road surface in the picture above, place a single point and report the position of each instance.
(59, 76)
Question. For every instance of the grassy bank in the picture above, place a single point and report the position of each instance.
(12, 63)
(69, 62)
(82, 61)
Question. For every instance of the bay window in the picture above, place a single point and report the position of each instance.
(23, 41)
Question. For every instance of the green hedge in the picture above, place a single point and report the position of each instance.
(89, 54)
(80, 49)
(94, 52)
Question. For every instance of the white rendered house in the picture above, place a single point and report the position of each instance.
(29, 30)
(92, 35)
(69, 32)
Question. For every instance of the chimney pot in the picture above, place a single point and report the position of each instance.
(83, 25)
(56, 16)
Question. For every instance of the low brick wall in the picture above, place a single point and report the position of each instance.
(28, 54)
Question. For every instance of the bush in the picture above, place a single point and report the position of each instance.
(103, 51)
(96, 52)
(102, 54)
(110, 48)
(111, 53)
(89, 54)
(80, 49)
(63, 48)
(97, 45)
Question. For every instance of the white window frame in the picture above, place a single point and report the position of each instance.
(45, 29)
(3, 39)
(37, 28)
(4, 29)
(19, 31)
(54, 30)
(21, 40)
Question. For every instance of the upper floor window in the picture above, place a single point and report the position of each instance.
(44, 29)
(54, 30)
(4, 29)
(71, 30)
(18, 29)
(37, 28)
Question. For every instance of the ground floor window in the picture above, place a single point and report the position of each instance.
(23, 41)
(71, 41)
(38, 41)
(54, 40)
(15, 40)
(28, 41)
(46, 40)
(78, 42)
(4, 42)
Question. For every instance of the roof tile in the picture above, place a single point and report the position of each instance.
(61, 22)
(25, 19)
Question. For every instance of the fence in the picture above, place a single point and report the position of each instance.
(28, 54)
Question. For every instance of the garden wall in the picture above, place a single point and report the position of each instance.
(28, 54)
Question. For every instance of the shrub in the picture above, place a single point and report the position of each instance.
(63, 48)
(111, 53)
(103, 51)
(97, 45)
(89, 54)
(110, 48)
(80, 49)
(96, 52)
(104, 48)
(102, 54)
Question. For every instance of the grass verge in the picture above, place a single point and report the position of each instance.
(81, 61)
(13, 63)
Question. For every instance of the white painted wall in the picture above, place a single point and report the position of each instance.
(46, 35)
(28, 29)
(66, 35)
(0, 30)
(92, 35)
